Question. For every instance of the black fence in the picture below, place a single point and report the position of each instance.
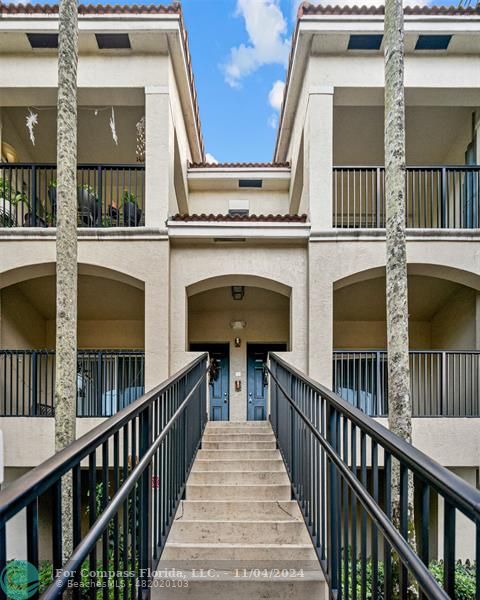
(136, 465)
(443, 197)
(340, 463)
(442, 383)
(107, 195)
(107, 381)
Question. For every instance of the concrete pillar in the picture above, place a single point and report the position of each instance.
(319, 149)
(157, 312)
(477, 321)
(157, 155)
(320, 316)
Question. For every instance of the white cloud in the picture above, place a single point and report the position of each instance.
(209, 158)
(275, 95)
(273, 121)
(268, 42)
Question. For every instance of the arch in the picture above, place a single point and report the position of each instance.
(219, 281)
(36, 270)
(461, 276)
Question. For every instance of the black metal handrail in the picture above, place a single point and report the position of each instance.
(340, 464)
(443, 383)
(107, 381)
(437, 196)
(145, 453)
(108, 195)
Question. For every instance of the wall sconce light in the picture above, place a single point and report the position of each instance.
(238, 292)
(238, 342)
(238, 324)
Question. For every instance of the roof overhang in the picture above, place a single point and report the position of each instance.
(334, 31)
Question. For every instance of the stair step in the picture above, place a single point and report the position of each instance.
(238, 477)
(236, 510)
(236, 454)
(250, 555)
(238, 492)
(256, 464)
(227, 445)
(239, 437)
(233, 424)
(240, 429)
(228, 585)
(238, 532)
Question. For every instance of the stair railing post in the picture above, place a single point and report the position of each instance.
(145, 512)
(332, 502)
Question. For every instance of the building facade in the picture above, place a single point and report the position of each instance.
(177, 255)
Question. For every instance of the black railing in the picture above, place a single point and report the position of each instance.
(443, 383)
(107, 195)
(340, 464)
(128, 475)
(437, 197)
(107, 381)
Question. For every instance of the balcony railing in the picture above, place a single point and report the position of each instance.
(437, 197)
(107, 381)
(443, 383)
(107, 195)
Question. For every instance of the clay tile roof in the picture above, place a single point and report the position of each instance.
(318, 9)
(240, 165)
(121, 9)
(241, 218)
(93, 9)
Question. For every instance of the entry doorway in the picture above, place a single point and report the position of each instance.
(219, 384)
(257, 383)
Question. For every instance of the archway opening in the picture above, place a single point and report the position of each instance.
(238, 325)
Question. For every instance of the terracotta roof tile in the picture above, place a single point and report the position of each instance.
(92, 9)
(241, 218)
(240, 165)
(122, 9)
(320, 9)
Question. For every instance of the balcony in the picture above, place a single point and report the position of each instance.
(107, 381)
(443, 383)
(437, 197)
(108, 195)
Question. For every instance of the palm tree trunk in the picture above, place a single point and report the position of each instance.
(400, 408)
(66, 248)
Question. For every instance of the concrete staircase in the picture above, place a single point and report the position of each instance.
(238, 535)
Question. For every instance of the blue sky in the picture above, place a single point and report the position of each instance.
(234, 82)
(239, 53)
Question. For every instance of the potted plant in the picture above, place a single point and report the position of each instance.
(52, 195)
(88, 205)
(9, 201)
(131, 211)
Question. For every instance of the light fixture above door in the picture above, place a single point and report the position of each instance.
(238, 292)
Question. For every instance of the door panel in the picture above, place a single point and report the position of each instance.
(219, 386)
(257, 387)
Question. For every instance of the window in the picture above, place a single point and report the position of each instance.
(250, 183)
(365, 42)
(433, 42)
(113, 41)
(43, 40)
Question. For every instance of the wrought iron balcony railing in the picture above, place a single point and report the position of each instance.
(107, 195)
(437, 197)
(443, 383)
(107, 381)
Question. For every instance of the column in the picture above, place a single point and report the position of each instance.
(157, 155)
(319, 163)
(320, 315)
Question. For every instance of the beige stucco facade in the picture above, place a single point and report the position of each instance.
(167, 284)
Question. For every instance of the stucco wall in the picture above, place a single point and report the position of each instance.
(21, 326)
(259, 202)
(453, 327)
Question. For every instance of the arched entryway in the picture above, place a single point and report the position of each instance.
(238, 320)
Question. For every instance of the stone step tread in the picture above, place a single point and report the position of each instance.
(248, 510)
(231, 575)
(237, 545)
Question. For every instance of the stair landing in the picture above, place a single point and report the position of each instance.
(238, 535)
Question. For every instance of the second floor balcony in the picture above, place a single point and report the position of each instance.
(108, 195)
(437, 197)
